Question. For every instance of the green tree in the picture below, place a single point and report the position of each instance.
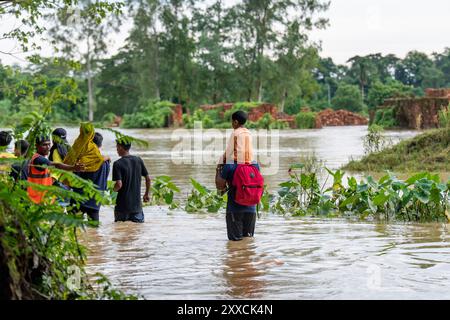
(348, 97)
(413, 69)
(380, 92)
(80, 33)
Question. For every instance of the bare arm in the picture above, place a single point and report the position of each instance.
(117, 185)
(221, 183)
(148, 184)
(77, 167)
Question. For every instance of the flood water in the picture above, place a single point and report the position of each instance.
(175, 255)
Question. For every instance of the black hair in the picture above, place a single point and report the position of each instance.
(240, 116)
(5, 138)
(22, 145)
(40, 139)
(125, 144)
(98, 139)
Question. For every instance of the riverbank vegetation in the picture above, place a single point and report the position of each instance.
(429, 151)
(40, 253)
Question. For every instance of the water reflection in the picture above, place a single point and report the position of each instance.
(242, 274)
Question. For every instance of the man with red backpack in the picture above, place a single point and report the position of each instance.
(239, 175)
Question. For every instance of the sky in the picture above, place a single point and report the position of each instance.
(356, 27)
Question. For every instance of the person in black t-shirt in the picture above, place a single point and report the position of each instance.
(127, 173)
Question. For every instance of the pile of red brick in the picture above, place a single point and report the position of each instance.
(223, 106)
(258, 112)
(176, 118)
(438, 93)
(330, 117)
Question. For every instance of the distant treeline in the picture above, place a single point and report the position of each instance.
(201, 52)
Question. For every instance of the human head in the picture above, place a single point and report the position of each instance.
(5, 138)
(59, 134)
(43, 145)
(123, 147)
(98, 139)
(21, 148)
(238, 119)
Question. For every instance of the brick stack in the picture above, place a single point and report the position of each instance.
(330, 117)
(176, 118)
(438, 93)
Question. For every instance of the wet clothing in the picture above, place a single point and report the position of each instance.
(130, 170)
(137, 217)
(240, 219)
(93, 214)
(240, 225)
(99, 178)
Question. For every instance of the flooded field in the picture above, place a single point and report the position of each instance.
(175, 255)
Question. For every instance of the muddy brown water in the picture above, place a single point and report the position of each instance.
(175, 255)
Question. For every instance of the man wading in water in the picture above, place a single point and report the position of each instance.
(240, 173)
(127, 173)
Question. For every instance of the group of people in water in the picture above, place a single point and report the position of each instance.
(237, 173)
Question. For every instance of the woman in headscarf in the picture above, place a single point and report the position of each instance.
(60, 146)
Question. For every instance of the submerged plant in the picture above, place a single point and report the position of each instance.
(421, 198)
(163, 191)
(374, 141)
(202, 199)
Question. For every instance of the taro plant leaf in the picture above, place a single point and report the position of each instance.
(416, 177)
(380, 199)
(199, 187)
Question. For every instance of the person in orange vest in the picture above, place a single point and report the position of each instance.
(39, 175)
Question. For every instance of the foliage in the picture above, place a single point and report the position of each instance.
(151, 115)
(348, 97)
(379, 92)
(306, 120)
(198, 116)
(163, 191)
(267, 122)
(385, 117)
(428, 151)
(40, 256)
(444, 117)
(126, 139)
(202, 199)
(374, 141)
(422, 197)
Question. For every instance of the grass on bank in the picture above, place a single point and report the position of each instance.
(429, 151)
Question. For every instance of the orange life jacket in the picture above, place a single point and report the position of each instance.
(38, 177)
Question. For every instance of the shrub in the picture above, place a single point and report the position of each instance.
(385, 118)
(444, 117)
(306, 120)
(152, 115)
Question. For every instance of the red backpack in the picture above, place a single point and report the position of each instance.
(247, 180)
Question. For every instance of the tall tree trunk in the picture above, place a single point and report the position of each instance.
(283, 100)
(260, 90)
(90, 87)
(157, 92)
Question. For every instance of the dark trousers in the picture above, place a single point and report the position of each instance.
(240, 225)
(91, 213)
(133, 217)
